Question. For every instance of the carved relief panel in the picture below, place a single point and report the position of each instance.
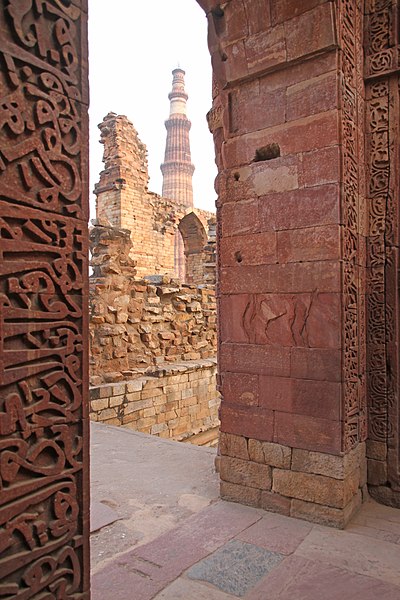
(353, 236)
(43, 293)
(382, 135)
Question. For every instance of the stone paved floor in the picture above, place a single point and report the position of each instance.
(167, 536)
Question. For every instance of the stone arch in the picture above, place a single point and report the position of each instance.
(194, 237)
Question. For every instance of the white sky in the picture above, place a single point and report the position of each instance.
(133, 46)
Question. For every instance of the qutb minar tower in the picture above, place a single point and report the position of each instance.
(177, 168)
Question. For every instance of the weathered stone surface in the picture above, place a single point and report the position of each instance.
(275, 503)
(326, 515)
(175, 401)
(166, 320)
(274, 455)
(240, 493)
(377, 472)
(318, 463)
(317, 489)
(245, 473)
(234, 446)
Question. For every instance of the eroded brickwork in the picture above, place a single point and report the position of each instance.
(124, 201)
(136, 323)
(174, 401)
(155, 339)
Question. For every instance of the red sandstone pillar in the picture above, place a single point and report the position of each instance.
(288, 127)
(44, 429)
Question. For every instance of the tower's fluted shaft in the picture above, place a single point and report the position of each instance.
(177, 168)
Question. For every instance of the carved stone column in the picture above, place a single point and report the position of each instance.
(382, 70)
(44, 498)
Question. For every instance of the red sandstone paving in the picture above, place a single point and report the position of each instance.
(147, 569)
(353, 552)
(185, 589)
(277, 533)
(297, 578)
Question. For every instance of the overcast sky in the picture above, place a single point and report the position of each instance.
(133, 46)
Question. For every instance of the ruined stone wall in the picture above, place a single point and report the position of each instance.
(175, 401)
(137, 323)
(154, 340)
(124, 201)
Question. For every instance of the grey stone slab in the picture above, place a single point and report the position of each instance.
(236, 567)
(101, 515)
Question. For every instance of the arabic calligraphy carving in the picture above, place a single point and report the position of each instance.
(43, 248)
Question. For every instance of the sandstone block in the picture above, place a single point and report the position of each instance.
(306, 207)
(377, 472)
(318, 463)
(316, 489)
(321, 167)
(133, 396)
(100, 404)
(290, 278)
(157, 429)
(326, 515)
(240, 388)
(256, 249)
(287, 9)
(234, 446)
(117, 401)
(239, 493)
(310, 32)
(136, 385)
(300, 431)
(250, 422)
(274, 455)
(376, 450)
(145, 423)
(255, 359)
(312, 96)
(151, 393)
(239, 218)
(309, 244)
(247, 473)
(108, 413)
(114, 421)
(301, 396)
(275, 503)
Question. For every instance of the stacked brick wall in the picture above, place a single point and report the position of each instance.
(175, 401)
(137, 323)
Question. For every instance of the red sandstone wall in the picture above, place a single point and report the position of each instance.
(287, 120)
